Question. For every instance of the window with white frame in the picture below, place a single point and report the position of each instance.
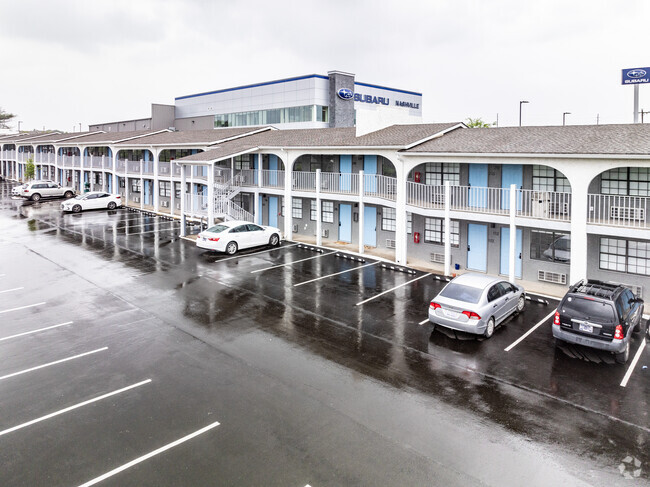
(388, 219)
(617, 254)
(296, 207)
(164, 188)
(434, 231)
(312, 210)
(327, 214)
(548, 179)
(436, 173)
(409, 222)
(135, 186)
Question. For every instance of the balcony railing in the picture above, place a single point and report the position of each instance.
(163, 168)
(380, 186)
(246, 177)
(133, 167)
(618, 211)
(339, 183)
(272, 179)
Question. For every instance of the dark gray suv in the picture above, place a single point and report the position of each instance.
(599, 315)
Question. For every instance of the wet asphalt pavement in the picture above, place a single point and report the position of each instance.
(120, 341)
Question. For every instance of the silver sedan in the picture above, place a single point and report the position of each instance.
(476, 303)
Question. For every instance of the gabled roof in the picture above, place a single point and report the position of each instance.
(99, 138)
(573, 139)
(395, 137)
(195, 137)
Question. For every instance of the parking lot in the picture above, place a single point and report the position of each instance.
(91, 305)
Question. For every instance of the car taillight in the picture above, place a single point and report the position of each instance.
(556, 320)
(471, 315)
(118, 197)
(213, 239)
(618, 334)
(25, 190)
(434, 305)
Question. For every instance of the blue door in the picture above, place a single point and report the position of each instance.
(345, 167)
(511, 174)
(478, 181)
(370, 226)
(109, 178)
(477, 247)
(273, 175)
(145, 183)
(273, 211)
(370, 173)
(345, 223)
(504, 268)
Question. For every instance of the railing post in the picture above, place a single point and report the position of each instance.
(513, 233)
(183, 186)
(210, 195)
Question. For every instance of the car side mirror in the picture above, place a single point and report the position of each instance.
(639, 300)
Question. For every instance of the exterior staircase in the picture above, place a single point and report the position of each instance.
(224, 207)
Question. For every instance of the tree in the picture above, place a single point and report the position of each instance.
(5, 118)
(477, 123)
(30, 169)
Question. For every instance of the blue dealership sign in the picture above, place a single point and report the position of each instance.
(345, 94)
(636, 75)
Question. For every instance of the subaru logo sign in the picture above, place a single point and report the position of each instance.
(345, 94)
(636, 73)
(635, 76)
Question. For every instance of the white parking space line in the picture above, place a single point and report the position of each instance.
(142, 225)
(392, 289)
(22, 307)
(71, 408)
(335, 274)
(514, 344)
(10, 290)
(630, 369)
(52, 363)
(423, 322)
(255, 253)
(36, 331)
(294, 262)
(150, 231)
(150, 454)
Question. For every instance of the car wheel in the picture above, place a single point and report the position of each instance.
(68, 195)
(274, 240)
(36, 197)
(231, 248)
(622, 357)
(520, 304)
(112, 205)
(76, 208)
(489, 329)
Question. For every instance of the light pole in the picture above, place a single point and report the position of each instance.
(79, 126)
(19, 122)
(564, 117)
(521, 103)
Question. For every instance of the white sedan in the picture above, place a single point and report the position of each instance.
(92, 201)
(231, 236)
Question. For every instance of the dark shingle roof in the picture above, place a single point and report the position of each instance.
(196, 137)
(109, 137)
(573, 139)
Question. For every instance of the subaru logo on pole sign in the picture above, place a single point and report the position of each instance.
(635, 76)
(345, 94)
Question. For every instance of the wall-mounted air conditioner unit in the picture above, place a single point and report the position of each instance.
(164, 204)
(553, 277)
(136, 199)
(437, 257)
(325, 233)
(626, 213)
(390, 243)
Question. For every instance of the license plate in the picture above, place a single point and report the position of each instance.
(586, 328)
(450, 314)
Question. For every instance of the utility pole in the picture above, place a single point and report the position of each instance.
(642, 112)
(521, 103)
(598, 119)
(564, 118)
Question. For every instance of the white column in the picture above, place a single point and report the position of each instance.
(579, 209)
(141, 185)
(210, 195)
(361, 211)
(91, 178)
(319, 223)
(288, 209)
(447, 228)
(401, 237)
(257, 205)
(183, 185)
(513, 233)
(156, 183)
(114, 175)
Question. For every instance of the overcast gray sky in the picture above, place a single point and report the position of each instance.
(71, 61)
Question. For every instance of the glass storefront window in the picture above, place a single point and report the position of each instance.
(306, 113)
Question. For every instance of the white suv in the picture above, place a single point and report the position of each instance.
(35, 190)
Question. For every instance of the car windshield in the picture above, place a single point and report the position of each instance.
(79, 197)
(589, 309)
(462, 293)
(217, 229)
